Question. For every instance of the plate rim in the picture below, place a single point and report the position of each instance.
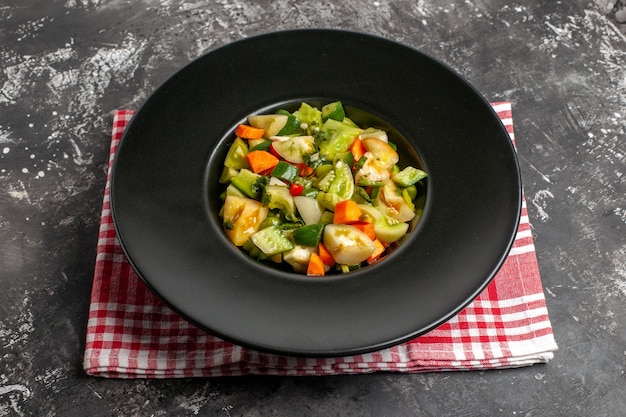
(327, 352)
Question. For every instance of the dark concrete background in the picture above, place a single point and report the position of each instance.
(67, 65)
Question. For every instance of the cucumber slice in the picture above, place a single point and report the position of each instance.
(271, 241)
(246, 182)
(388, 230)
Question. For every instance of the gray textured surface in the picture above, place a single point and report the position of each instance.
(66, 65)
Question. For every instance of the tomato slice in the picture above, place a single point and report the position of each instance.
(293, 149)
(242, 217)
(347, 244)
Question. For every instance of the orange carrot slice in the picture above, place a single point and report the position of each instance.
(357, 149)
(379, 249)
(316, 266)
(261, 161)
(249, 132)
(367, 228)
(325, 255)
(347, 212)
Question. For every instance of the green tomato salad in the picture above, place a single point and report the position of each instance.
(313, 190)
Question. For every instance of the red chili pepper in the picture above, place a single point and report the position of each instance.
(296, 189)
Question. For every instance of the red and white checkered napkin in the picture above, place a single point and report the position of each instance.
(131, 334)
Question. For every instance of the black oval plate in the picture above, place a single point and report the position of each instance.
(165, 196)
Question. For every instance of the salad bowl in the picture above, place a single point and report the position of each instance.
(165, 193)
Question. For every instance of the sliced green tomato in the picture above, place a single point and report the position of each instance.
(340, 188)
(293, 149)
(339, 137)
(271, 241)
(323, 169)
(309, 209)
(333, 111)
(278, 197)
(270, 123)
(236, 157)
(325, 175)
(372, 172)
(309, 235)
(389, 230)
(370, 214)
(243, 217)
(309, 115)
(343, 184)
(391, 203)
(386, 228)
(347, 244)
(328, 200)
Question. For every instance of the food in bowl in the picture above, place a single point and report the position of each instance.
(314, 190)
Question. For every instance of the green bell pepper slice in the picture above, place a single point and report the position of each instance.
(271, 241)
(309, 235)
(285, 171)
